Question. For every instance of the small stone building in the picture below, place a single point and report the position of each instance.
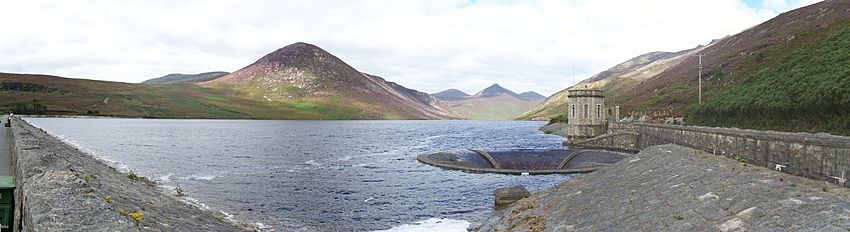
(587, 114)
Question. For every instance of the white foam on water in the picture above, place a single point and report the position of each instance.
(312, 163)
(165, 178)
(263, 227)
(365, 164)
(227, 216)
(433, 224)
(198, 177)
(195, 202)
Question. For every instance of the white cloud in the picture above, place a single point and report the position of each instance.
(425, 45)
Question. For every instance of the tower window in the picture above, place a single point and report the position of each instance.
(598, 111)
(586, 111)
(574, 111)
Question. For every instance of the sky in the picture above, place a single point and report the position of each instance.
(543, 46)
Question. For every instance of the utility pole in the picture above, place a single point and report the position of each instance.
(699, 78)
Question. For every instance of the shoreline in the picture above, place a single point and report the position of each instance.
(56, 178)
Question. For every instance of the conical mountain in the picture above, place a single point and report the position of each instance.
(495, 90)
(310, 79)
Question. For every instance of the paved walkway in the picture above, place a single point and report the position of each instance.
(5, 152)
(674, 188)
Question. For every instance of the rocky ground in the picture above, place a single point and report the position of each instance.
(555, 129)
(63, 189)
(674, 188)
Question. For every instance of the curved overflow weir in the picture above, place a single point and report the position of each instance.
(523, 161)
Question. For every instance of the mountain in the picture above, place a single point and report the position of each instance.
(450, 94)
(495, 90)
(614, 80)
(305, 77)
(181, 78)
(789, 73)
(531, 96)
(491, 103)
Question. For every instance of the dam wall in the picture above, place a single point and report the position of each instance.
(817, 156)
(60, 188)
(617, 141)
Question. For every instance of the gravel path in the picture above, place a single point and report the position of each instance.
(674, 188)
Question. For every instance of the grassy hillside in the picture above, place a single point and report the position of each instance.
(806, 91)
(40, 94)
(788, 74)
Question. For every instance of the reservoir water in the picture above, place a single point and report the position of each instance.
(313, 175)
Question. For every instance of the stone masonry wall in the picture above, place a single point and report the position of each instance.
(620, 141)
(615, 127)
(817, 156)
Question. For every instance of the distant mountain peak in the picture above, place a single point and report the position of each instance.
(495, 90)
(296, 53)
(450, 94)
(187, 78)
(531, 96)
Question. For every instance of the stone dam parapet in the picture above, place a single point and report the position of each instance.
(816, 156)
(60, 188)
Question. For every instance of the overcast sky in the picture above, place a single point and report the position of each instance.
(544, 46)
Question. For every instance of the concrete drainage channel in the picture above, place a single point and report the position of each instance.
(523, 161)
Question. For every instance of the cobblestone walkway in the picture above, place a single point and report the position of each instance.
(674, 188)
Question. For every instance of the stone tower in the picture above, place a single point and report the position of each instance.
(586, 114)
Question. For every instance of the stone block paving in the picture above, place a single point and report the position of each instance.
(675, 188)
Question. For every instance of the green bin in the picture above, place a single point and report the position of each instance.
(7, 201)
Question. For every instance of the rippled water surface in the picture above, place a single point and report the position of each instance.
(312, 175)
